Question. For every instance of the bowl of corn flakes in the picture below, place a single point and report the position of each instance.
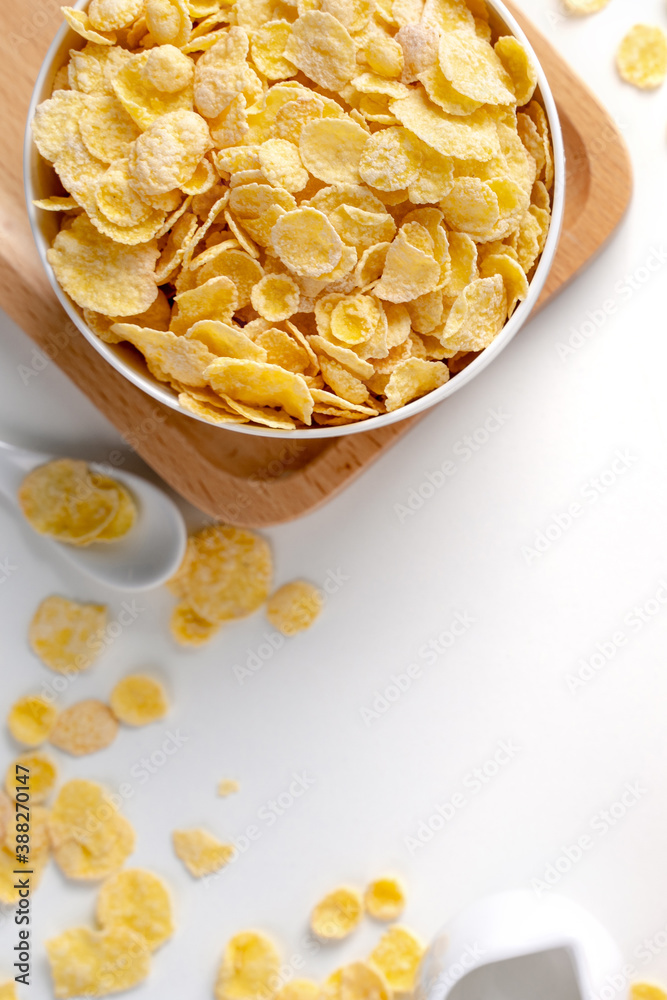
(295, 217)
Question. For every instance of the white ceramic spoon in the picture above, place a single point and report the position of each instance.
(148, 555)
(516, 946)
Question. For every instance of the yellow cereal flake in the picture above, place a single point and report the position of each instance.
(89, 837)
(140, 901)
(306, 242)
(397, 957)
(280, 162)
(102, 275)
(477, 316)
(647, 991)
(201, 852)
(31, 720)
(384, 899)
(8, 990)
(642, 56)
(228, 786)
(190, 629)
(249, 969)
(34, 772)
(294, 607)
(322, 48)
(585, 6)
(337, 915)
(97, 963)
(85, 727)
(138, 700)
(66, 635)
(357, 981)
(298, 989)
(412, 379)
(60, 499)
(256, 383)
(276, 297)
(331, 149)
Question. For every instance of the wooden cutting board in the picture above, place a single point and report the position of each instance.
(236, 477)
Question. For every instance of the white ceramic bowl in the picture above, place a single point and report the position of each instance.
(39, 181)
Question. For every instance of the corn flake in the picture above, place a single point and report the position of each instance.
(41, 774)
(66, 635)
(83, 728)
(322, 48)
(519, 67)
(138, 700)
(97, 963)
(297, 989)
(337, 915)
(187, 627)
(31, 720)
(138, 900)
(276, 297)
(642, 57)
(357, 981)
(250, 968)
(397, 957)
(477, 316)
(201, 852)
(294, 607)
(384, 899)
(89, 838)
(331, 149)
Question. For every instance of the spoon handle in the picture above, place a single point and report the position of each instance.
(15, 464)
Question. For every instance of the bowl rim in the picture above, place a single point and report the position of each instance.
(161, 394)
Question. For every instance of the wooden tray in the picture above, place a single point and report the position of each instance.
(230, 476)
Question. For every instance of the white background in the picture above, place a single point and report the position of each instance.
(406, 577)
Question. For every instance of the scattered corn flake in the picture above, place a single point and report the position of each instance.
(187, 627)
(642, 57)
(89, 837)
(337, 915)
(138, 700)
(384, 899)
(97, 963)
(31, 720)
(34, 772)
(357, 981)
(138, 900)
(201, 852)
(397, 957)
(276, 297)
(647, 991)
(294, 607)
(228, 786)
(297, 989)
(249, 969)
(85, 727)
(8, 991)
(227, 573)
(585, 6)
(65, 634)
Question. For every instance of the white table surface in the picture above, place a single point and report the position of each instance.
(465, 552)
